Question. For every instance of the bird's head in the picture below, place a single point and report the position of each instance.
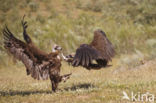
(99, 31)
(56, 48)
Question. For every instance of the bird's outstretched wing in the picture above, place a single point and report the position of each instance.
(25, 35)
(100, 49)
(84, 55)
(21, 51)
(103, 45)
(38, 53)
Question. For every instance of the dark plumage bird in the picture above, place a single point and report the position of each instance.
(100, 50)
(39, 65)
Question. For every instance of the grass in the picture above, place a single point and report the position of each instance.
(71, 23)
(129, 24)
(105, 85)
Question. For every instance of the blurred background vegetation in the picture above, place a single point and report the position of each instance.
(129, 24)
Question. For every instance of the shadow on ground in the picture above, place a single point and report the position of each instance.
(79, 86)
(23, 93)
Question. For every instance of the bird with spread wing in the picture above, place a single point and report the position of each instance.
(39, 65)
(100, 50)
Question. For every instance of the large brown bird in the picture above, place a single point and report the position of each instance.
(100, 50)
(39, 65)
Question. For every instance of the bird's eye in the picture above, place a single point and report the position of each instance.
(101, 31)
(55, 48)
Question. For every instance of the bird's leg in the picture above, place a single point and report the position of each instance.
(68, 58)
(64, 57)
(54, 86)
(66, 77)
(55, 79)
(54, 82)
(27, 70)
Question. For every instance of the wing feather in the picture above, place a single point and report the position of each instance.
(77, 58)
(100, 49)
(21, 52)
(88, 59)
(84, 55)
(83, 58)
(103, 45)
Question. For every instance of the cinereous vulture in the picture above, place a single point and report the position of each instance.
(100, 50)
(39, 65)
